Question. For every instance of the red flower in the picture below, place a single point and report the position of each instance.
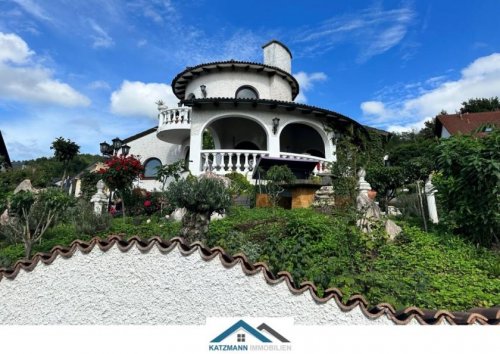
(147, 203)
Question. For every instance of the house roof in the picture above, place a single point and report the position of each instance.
(306, 110)
(4, 152)
(180, 82)
(466, 123)
(483, 316)
(140, 135)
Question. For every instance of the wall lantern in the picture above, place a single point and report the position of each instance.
(203, 90)
(125, 150)
(105, 148)
(117, 144)
(276, 123)
(110, 150)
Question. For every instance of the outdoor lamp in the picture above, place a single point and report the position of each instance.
(276, 123)
(117, 144)
(105, 147)
(125, 150)
(203, 90)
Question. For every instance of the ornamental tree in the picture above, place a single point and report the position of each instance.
(200, 196)
(32, 214)
(120, 173)
(64, 151)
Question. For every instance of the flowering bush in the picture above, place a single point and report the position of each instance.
(141, 202)
(119, 174)
(121, 171)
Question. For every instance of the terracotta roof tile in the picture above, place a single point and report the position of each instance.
(467, 123)
(483, 316)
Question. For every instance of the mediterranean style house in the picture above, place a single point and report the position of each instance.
(248, 109)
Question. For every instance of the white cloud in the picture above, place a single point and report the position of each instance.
(373, 30)
(99, 85)
(34, 9)
(138, 98)
(479, 79)
(26, 81)
(306, 83)
(13, 49)
(373, 108)
(101, 38)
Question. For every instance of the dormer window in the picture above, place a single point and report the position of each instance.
(247, 92)
(191, 96)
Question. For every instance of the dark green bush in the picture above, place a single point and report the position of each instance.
(429, 270)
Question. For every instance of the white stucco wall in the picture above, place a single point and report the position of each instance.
(150, 146)
(133, 287)
(276, 55)
(225, 84)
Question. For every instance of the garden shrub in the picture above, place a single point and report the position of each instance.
(86, 222)
(468, 186)
(429, 270)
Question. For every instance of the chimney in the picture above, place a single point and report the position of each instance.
(277, 54)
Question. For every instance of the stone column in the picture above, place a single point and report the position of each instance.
(431, 200)
(100, 199)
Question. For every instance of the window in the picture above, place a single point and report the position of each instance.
(241, 337)
(247, 92)
(191, 96)
(151, 166)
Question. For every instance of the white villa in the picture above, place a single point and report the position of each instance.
(249, 110)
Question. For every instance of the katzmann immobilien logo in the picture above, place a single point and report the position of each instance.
(252, 335)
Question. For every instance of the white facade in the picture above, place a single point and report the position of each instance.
(248, 110)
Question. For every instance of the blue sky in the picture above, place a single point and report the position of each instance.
(92, 70)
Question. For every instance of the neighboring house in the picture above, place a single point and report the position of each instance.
(467, 123)
(249, 110)
(75, 184)
(4, 155)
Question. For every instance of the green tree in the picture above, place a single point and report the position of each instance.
(32, 214)
(475, 105)
(64, 151)
(277, 177)
(468, 186)
(201, 197)
(172, 170)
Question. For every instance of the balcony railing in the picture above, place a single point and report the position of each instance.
(175, 116)
(227, 161)
(243, 161)
(174, 124)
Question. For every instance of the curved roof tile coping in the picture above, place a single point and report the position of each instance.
(482, 316)
(191, 71)
(303, 108)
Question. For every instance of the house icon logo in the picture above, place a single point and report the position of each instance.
(243, 337)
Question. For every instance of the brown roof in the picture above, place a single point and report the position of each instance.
(466, 123)
(179, 83)
(474, 316)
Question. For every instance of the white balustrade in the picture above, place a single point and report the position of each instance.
(243, 161)
(321, 163)
(175, 116)
(227, 161)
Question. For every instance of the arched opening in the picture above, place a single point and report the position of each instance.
(151, 167)
(247, 92)
(300, 138)
(234, 133)
(241, 138)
